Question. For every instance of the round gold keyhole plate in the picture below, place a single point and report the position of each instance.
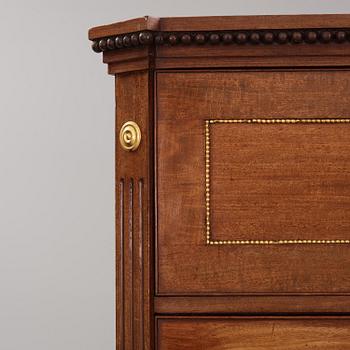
(130, 136)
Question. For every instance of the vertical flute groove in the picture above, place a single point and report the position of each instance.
(121, 264)
(141, 239)
(131, 247)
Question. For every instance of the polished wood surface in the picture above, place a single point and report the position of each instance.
(254, 22)
(134, 217)
(306, 165)
(232, 215)
(131, 25)
(253, 304)
(220, 23)
(244, 41)
(252, 56)
(278, 182)
(248, 333)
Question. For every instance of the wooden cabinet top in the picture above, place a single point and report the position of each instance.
(218, 23)
(234, 41)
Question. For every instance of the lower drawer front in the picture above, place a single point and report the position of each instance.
(229, 333)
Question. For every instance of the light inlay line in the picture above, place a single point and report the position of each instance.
(210, 122)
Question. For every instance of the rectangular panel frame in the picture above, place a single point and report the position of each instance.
(264, 121)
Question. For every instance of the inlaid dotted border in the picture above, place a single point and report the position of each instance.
(208, 123)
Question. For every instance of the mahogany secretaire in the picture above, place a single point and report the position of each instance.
(232, 181)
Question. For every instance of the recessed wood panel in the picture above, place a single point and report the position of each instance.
(276, 182)
(254, 333)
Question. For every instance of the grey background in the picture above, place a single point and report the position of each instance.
(57, 166)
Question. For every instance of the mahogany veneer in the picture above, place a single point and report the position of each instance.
(232, 181)
(246, 333)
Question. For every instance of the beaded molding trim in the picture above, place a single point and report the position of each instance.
(208, 123)
(247, 37)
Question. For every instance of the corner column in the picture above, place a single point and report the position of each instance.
(134, 212)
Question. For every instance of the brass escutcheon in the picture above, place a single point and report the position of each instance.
(130, 136)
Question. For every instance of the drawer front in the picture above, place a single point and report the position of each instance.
(254, 333)
(253, 182)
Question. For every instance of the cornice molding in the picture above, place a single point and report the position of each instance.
(305, 36)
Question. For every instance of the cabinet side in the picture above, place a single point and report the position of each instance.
(134, 212)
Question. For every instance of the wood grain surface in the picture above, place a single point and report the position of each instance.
(268, 182)
(134, 217)
(220, 23)
(254, 22)
(224, 41)
(280, 182)
(253, 304)
(249, 333)
(131, 25)
(304, 166)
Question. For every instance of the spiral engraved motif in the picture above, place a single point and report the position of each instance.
(130, 136)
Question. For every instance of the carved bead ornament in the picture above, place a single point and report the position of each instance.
(248, 37)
